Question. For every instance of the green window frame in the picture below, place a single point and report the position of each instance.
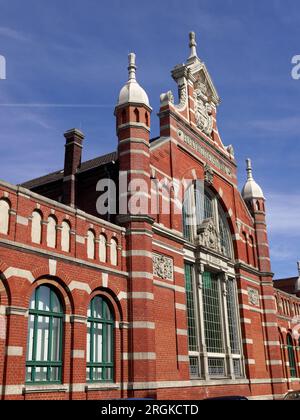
(100, 342)
(45, 338)
(292, 358)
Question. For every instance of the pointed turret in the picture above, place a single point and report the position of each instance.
(251, 190)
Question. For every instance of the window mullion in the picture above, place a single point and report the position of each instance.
(49, 358)
(226, 332)
(203, 347)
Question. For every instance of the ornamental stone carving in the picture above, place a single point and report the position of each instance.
(163, 267)
(208, 174)
(203, 109)
(253, 295)
(209, 236)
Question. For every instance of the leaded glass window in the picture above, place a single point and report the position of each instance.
(292, 359)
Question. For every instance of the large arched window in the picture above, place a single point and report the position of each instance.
(292, 358)
(44, 340)
(200, 206)
(36, 227)
(4, 216)
(100, 342)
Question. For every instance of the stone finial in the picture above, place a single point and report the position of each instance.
(249, 169)
(131, 66)
(298, 263)
(193, 45)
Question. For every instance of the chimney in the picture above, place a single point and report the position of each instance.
(74, 139)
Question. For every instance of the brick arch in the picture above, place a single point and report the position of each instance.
(113, 300)
(5, 294)
(60, 281)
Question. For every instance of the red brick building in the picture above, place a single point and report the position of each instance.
(172, 302)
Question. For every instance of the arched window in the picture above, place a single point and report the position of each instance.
(292, 359)
(253, 251)
(124, 117)
(65, 236)
(91, 245)
(51, 232)
(200, 206)
(4, 216)
(100, 342)
(137, 115)
(102, 248)
(147, 119)
(114, 252)
(245, 238)
(44, 340)
(36, 227)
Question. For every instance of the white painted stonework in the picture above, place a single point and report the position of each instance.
(4, 217)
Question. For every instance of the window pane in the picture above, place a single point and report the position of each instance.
(30, 337)
(54, 374)
(216, 367)
(191, 312)
(107, 312)
(97, 308)
(56, 337)
(212, 314)
(109, 332)
(109, 374)
(88, 373)
(28, 374)
(98, 347)
(40, 374)
(42, 339)
(97, 374)
(88, 343)
(56, 306)
(43, 294)
(232, 318)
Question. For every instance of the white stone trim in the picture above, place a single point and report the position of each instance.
(274, 362)
(141, 295)
(78, 354)
(14, 351)
(180, 307)
(80, 239)
(22, 220)
(169, 286)
(142, 325)
(137, 253)
(78, 285)
(52, 267)
(122, 295)
(139, 356)
(182, 332)
(250, 362)
(248, 341)
(105, 280)
(17, 272)
(141, 275)
(246, 321)
(183, 359)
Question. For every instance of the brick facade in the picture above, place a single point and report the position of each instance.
(151, 350)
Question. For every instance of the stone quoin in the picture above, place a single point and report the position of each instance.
(166, 305)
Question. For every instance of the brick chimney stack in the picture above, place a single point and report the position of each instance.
(74, 139)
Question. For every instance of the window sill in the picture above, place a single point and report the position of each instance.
(219, 382)
(41, 389)
(101, 387)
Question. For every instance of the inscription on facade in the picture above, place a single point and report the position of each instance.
(205, 153)
(163, 267)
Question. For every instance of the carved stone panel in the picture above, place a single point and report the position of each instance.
(208, 174)
(209, 236)
(163, 267)
(253, 295)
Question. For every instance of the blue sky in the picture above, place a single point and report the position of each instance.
(74, 52)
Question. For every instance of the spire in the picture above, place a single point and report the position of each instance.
(193, 46)
(132, 92)
(249, 170)
(131, 67)
(298, 267)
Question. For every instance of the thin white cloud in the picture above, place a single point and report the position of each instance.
(13, 34)
(284, 214)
